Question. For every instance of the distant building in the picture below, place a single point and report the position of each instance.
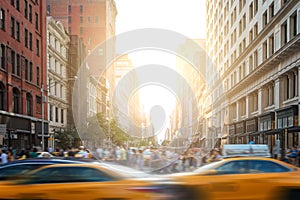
(94, 22)
(22, 72)
(126, 105)
(190, 110)
(57, 75)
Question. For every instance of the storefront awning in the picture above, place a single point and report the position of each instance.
(275, 131)
(294, 129)
(256, 133)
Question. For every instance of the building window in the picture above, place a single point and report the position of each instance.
(89, 19)
(2, 19)
(26, 38)
(69, 19)
(255, 31)
(62, 116)
(18, 64)
(16, 100)
(284, 33)
(2, 96)
(271, 11)
(251, 12)
(37, 47)
(81, 30)
(26, 9)
(56, 114)
(81, 8)
(12, 27)
(30, 13)
(293, 24)
(38, 100)
(2, 56)
(38, 75)
(250, 63)
(265, 51)
(287, 87)
(36, 21)
(28, 104)
(69, 8)
(12, 2)
(265, 19)
(51, 112)
(255, 6)
(255, 59)
(271, 45)
(48, 9)
(96, 19)
(13, 64)
(70, 29)
(18, 5)
(30, 41)
(18, 31)
(30, 72)
(26, 70)
(81, 19)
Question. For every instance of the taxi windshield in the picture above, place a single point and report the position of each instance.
(208, 166)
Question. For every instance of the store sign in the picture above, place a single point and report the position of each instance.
(2, 129)
(32, 128)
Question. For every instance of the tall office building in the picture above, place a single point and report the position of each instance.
(22, 72)
(253, 48)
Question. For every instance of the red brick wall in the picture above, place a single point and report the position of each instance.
(91, 8)
(6, 76)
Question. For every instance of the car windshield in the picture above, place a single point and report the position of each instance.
(208, 167)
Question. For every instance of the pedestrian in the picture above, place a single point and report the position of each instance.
(33, 153)
(3, 157)
(10, 155)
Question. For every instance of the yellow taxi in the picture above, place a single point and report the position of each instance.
(243, 178)
(88, 181)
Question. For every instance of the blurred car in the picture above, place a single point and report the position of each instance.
(241, 178)
(90, 181)
(19, 167)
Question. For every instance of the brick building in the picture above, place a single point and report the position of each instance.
(22, 72)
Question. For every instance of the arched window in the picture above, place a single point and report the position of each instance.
(28, 104)
(16, 100)
(2, 96)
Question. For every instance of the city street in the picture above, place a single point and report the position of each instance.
(160, 99)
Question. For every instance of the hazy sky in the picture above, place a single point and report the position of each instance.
(184, 16)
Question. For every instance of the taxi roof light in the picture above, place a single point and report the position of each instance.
(242, 150)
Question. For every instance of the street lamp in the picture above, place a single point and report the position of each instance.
(43, 132)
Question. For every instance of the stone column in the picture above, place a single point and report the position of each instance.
(247, 106)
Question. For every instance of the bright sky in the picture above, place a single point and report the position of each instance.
(186, 17)
(183, 16)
